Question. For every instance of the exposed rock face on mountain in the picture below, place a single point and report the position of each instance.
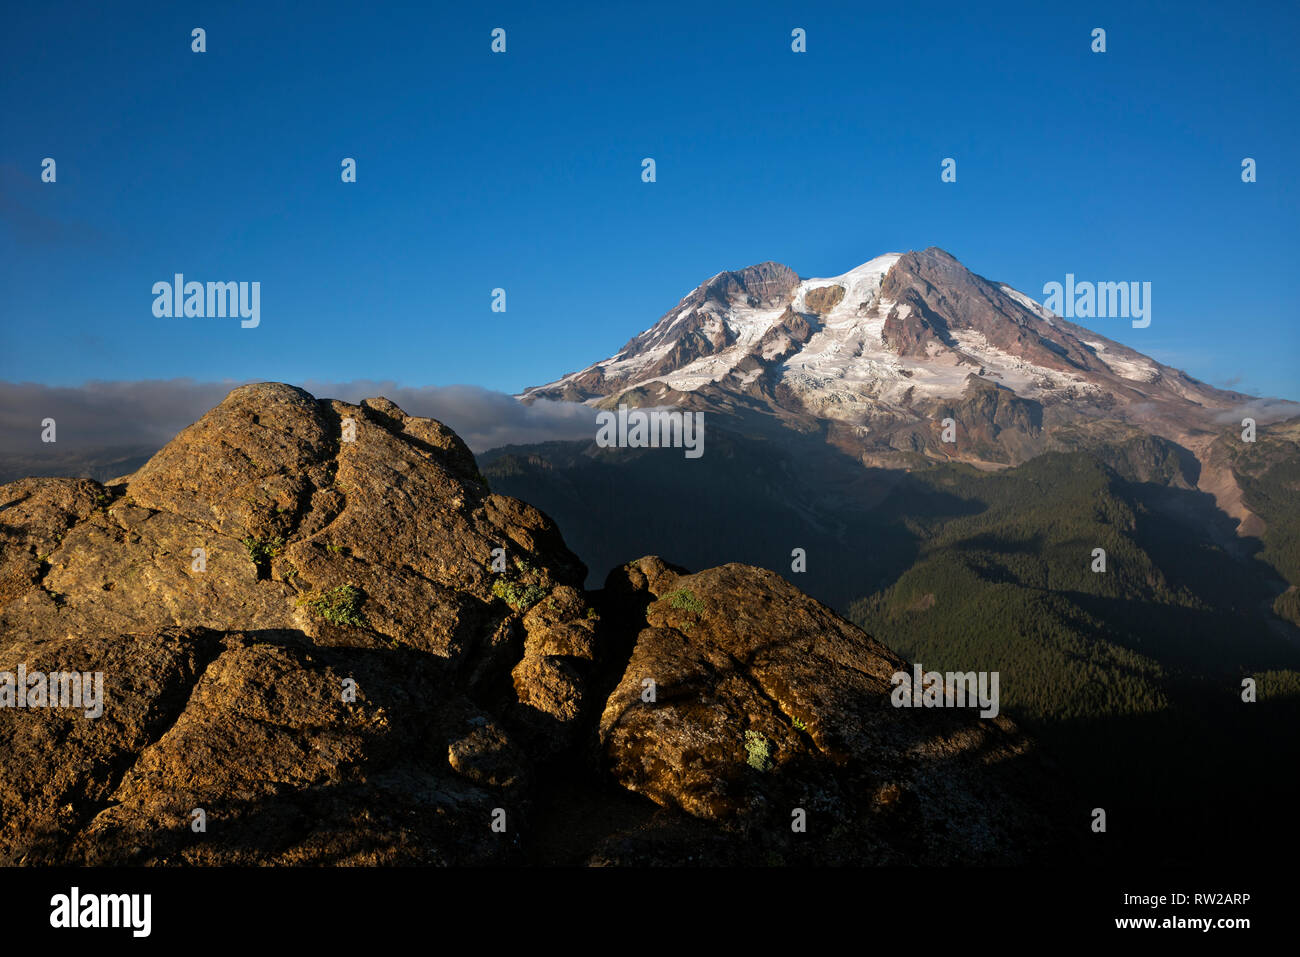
(322, 639)
(696, 332)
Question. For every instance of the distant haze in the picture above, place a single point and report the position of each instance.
(103, 422)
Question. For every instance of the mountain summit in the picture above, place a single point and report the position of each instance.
(885, 351)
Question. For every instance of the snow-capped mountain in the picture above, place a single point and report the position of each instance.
(880, 355)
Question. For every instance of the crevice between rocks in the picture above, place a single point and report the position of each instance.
(212, 647)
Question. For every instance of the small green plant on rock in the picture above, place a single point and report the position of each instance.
(340, 605)
(516, 594)
(684, 599)
(799, 725)
(262, 550)
(758, 751)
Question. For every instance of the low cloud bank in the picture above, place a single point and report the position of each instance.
(483, 418)
(1263, 411)
(148, 413)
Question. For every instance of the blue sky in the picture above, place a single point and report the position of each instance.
(522, 171)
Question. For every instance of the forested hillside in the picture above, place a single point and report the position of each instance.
(1122, 674)
(1115, 671)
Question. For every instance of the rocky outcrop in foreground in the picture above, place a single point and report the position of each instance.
(322, 639)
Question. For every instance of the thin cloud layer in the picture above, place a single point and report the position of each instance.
(148, 413)
(483, 418)
(1263, 411)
